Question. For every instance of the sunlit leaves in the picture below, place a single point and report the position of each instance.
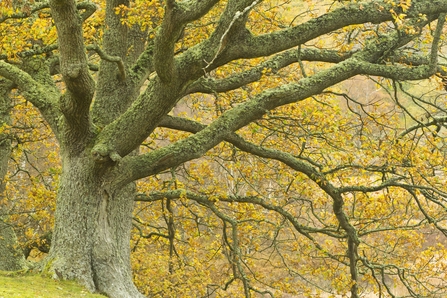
(146, 14)
(22, 34)
(33, 175)
(369, 151)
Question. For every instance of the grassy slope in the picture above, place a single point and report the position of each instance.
(36, 286)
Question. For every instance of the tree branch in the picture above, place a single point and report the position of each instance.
(402, 73)
(194, 146)
(33, 52)
(222, 41)
(437, 121)
(116, 59)
(75, 104)
(42, 96)
(177, 15)
(109, 142)
(204, 199)
(230, 24)
(194, 10)
(89, 8)
(232, 120)
(355, 13)
(165, 39)
(25, 14)
(237, 117)
(274, 64)
(249, 46)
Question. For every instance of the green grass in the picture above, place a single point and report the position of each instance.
(30, 285)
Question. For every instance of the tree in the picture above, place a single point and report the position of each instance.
(149, 65)
(11, 256)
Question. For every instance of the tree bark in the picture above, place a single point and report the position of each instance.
(92, 230)
(91, 238)
(95, 198)
(11, 257)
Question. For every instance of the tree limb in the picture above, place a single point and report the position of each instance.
(234, 119)
(75, 103)
(222, 41)
(42, 96)
(249, 46)
(204, 199)
(89, 8)
(437, 121)
(165, 39)
(119, 62)
(25, 14)
(194, 10)
(274, 64)
(355, 13)
(359, 63)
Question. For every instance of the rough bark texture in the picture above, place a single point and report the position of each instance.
(91, 238)
(11, 257)
(92, 230)
(101, 126)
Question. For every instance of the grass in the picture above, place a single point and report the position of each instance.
(31, 285)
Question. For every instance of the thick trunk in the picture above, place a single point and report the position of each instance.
(92, 230)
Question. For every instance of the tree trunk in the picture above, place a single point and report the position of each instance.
(11, 257)
(91, 239)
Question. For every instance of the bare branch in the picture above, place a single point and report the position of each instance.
(355, 13)
(437, 121)
(104, 56)
(236, 17)
(274, 64)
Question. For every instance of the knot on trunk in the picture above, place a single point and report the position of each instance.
(102, 154)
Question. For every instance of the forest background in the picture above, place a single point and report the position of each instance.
(290, 148)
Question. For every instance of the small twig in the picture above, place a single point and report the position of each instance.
(300, 62)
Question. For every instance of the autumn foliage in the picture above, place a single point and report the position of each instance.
(341, 192)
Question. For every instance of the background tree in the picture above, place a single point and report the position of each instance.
(11, 256)
(334, 178)
(28, 181)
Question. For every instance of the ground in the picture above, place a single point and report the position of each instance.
(28, 285)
